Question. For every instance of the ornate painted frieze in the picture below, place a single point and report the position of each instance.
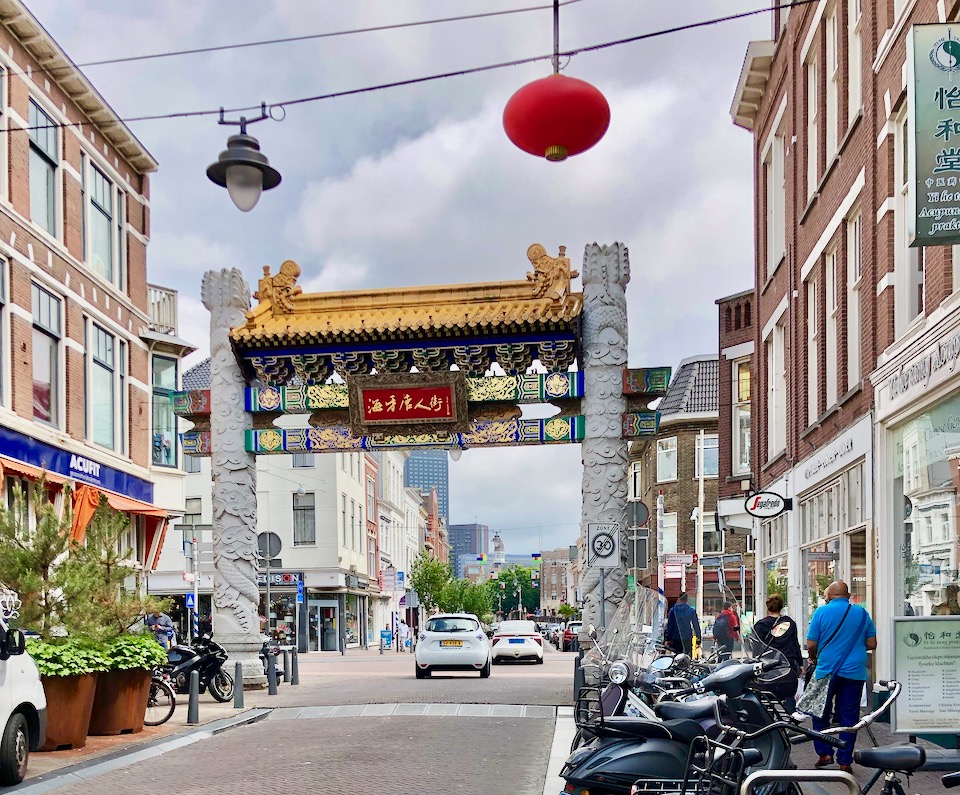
(649, 382)
(641, 423)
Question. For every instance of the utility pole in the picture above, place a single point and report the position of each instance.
(698, 541)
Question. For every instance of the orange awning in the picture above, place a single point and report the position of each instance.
(10, 466)
(130, 505)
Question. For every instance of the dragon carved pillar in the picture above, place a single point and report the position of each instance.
(236, 595)
(606, 271)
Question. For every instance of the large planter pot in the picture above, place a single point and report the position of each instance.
(69, 703)
(120, 703)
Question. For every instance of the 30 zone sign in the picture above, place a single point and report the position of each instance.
(765, 504)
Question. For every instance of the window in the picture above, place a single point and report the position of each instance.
(776, 197)
(812, 115)
(44, 161)
(636, 483)
(4, 353)
(908, 262)
(164, 420)
(776, 392)
(832, 66)
(712, 537)
(371, 498)
(304, 519)
(741, 417)
(711, 461)
(103, 388)
(854, 75)
(832, 366)
(191, 464)
(813, 360)
(353, 522)
(371, 557)
(192, 510)
(669, 534)
(343, 516)
(302, 460)
(101, 225)
(854, 272)
(666, 459)
(46, 356)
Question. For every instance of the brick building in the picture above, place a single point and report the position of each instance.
(841, 305)
(88, 350)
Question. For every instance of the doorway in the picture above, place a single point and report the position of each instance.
(323, 618)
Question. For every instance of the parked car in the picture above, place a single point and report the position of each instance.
(570, 640)
(452, 642)
(23, 707)
(517, 640)
(553, 633)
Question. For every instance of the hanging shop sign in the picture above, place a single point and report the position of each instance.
(414, 402)
(281, 578)
(933, 56)
(926, 661)
(766, 504)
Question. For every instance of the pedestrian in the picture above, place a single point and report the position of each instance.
(683, 625)
(205, 625)
(726, 630)
(404, 634)
(161, 626)
(776, 631)
(839, 636)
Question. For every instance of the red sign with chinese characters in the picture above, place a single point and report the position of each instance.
(408, 404)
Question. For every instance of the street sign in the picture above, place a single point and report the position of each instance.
(189, 576)
(190, 603)
(603, 544)
(299, 587)
(300, 598)
(401, 580)
(680, 558)
(638, 513)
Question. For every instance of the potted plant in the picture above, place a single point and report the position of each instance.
(35, 561)
(120, 702)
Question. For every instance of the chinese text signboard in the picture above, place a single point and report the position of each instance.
(389, 406)
(934, 137)
(926, 661)
(413, 403)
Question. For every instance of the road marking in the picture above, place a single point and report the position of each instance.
(563, 735)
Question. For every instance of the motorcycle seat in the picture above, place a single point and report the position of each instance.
(681, 730)
(688, 710)
(903, 758)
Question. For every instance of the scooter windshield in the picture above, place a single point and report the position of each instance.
(633, 631)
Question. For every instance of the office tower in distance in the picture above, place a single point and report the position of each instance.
(427, 469)
(467, 540)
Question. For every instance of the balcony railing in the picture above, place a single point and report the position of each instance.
(163, 309)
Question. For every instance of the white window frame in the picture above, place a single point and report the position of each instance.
(710, 526)
(5, 357)
(664, 448)
(51, 156)
(710, 441)
(191, 464)
(776, 391)
(854, 55)
(300, 511)
(813, 349)
(158, 391)
(832, 74)
(94, 398)
(670, 541)
(741, 405)
(58, 401)
(303, 461)
(832, 316)
(773, 168)
(636, 480)
(813, 116)
(91, 173)
(854, 273)
(909, 297)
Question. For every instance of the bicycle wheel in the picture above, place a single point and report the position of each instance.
(161, 704)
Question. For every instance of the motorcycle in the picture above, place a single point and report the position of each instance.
(269, 654)
(205, 656)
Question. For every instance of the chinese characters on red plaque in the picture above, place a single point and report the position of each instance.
(412, 404)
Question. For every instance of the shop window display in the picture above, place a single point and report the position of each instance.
(926, 469)
(351, 626)
(281, 624)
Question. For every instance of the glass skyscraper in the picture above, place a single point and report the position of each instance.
(427, 469)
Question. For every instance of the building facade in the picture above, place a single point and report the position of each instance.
(844, 308)
(429, 469)
(467, 540)
(557, 587)
(88, 350)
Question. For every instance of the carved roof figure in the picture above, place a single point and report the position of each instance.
(551, 275)
(279, 289)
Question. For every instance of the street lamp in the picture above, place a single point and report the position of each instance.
(241, 168)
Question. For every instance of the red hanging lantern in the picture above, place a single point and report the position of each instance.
(556, 117)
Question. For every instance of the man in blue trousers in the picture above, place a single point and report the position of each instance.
(838, 639)
(683, 625)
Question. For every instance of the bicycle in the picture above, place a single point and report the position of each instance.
(161, 702)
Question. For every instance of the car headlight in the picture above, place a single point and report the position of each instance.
(619, 672)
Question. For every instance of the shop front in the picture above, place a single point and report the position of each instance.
(828, 531)
(281, 616)
(917, 391)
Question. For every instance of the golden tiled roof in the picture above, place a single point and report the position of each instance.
(284, 315)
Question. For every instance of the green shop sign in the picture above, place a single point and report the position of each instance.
(934, 137)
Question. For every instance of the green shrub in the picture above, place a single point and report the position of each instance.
(66, 657)
(127, 652)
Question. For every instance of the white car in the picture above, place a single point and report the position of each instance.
(23, 706)
(517, 640)
(452, 642)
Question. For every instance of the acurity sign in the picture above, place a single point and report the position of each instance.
(934, 96)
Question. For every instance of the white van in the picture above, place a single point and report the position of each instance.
(23, 706)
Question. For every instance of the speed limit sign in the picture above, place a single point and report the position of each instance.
(603, 544)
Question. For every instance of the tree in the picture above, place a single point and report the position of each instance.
(506, 598)
(429, 577)
(567, 611)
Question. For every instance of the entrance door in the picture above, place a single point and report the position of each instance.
(322, 620)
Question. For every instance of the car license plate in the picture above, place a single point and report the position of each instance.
(451, 643)
(516, 640)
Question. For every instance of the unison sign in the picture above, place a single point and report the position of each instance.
(766, 504)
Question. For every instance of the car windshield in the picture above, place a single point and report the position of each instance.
(517, 628)
(452, 624)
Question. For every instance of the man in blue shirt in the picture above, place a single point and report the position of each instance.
(838, 639)
(682, 625)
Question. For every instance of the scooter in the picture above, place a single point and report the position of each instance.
(269, 655)
(205, 656)
(627, 749)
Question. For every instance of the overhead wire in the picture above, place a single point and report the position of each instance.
(426, 78)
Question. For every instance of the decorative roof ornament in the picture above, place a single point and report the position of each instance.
(551, 275)
(9, 605)
(280, 289)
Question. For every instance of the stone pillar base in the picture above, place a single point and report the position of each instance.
(246, 649)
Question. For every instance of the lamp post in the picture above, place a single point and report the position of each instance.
(241, 168)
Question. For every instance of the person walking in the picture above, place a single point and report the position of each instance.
(404, 634)
(683, 625)
(161, 626)
(838, 639)
(778, 632)
(726, 630)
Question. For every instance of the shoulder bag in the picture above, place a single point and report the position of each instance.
(813, 700)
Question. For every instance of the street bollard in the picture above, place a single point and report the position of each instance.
(238, 685)
(286, 666)
(295, 676)
(271, 677)
(193, 708)
(381, 645)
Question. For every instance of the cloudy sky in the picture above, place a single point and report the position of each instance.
(419, 185)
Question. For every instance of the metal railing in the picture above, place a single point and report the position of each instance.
(163, 309)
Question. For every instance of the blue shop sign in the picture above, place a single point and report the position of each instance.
(72, 465)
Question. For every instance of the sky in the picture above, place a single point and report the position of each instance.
(419, 185)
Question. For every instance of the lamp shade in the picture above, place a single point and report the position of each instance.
(556, 117)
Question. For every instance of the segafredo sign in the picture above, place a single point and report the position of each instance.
(765, 504)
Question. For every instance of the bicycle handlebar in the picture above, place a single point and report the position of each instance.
(893, 687)
(951, 780)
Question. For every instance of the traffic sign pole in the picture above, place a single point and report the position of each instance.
(196, 588)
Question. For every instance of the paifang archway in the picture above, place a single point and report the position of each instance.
(279, 357)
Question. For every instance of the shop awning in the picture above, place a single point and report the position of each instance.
(10, 466)
(86, 499)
